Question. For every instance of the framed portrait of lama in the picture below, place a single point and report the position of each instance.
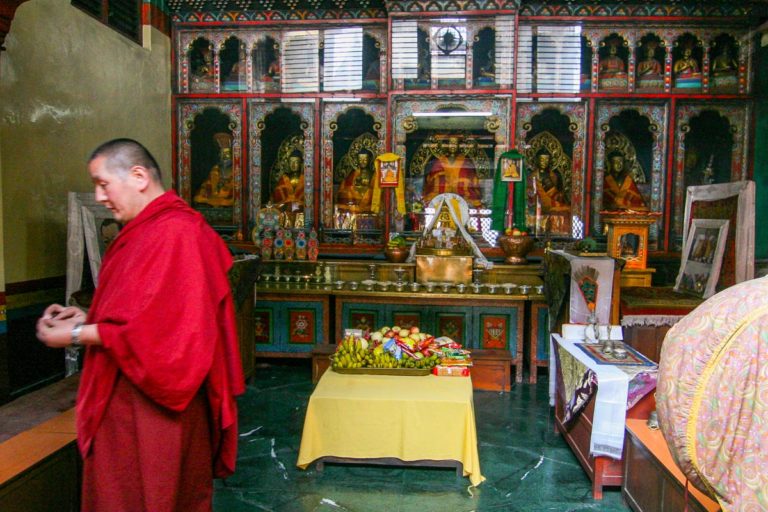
(734, 202)
(702, 257)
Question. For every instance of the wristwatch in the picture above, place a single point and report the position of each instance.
(76, 330)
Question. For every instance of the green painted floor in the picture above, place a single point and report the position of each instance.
(527, 466)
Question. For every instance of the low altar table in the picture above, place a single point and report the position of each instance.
(648, 313)
(593, 399)
(400, 420)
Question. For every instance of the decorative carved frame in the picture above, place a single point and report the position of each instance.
(257, 114)
(739, 116)
(744, 229)
(668, 36)
(577, 114)
(331, 114)
(187, 110)
(657, 114)
(404, 122)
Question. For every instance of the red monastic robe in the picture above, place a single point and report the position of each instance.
(457, 176)
(163, 384)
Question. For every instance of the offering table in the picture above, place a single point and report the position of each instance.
(384, 419)
(584, 409)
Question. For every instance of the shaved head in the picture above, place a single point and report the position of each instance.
(123, 154)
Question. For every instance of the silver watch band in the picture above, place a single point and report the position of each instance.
(76, 330)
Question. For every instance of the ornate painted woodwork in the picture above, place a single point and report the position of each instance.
(644, 125)
(201, 122)
(333, 114)
(290, 324)
(226, 35)
(574, 124)
(258, 113)
(701, 156)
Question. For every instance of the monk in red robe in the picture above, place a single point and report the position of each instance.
(156, 410)
(452, 172)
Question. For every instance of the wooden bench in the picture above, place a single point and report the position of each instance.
(491, 370)
(652, 480)
(40, 468)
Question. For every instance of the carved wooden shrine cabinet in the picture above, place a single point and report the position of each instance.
(281, 109)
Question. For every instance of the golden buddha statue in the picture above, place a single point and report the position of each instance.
(612, 71)
(288, 179)
(217, 188)
(620, 191)
(355, 175)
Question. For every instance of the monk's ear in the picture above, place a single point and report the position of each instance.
(141, 177)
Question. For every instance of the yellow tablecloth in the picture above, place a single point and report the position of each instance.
(379, 416)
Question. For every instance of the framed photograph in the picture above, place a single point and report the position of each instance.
(388, 171)
(511, 169)
(734, 202)
(702, 257)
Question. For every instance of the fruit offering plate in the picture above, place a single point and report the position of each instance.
(384, 371)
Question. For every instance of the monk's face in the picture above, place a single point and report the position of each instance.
(120, 192)
(363, 159)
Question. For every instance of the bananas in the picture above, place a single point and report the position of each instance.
(354, 352)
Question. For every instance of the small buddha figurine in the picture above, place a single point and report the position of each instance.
(487, 71)
(724, 69)
(612, 72)
(216, 189)
(686, 70)
(723, 63)
(649, 70)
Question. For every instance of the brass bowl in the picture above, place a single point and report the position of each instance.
(396, 254)
(515, 248)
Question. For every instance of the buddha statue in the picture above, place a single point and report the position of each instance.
(217, 188)
(724, 69)
(686, 70)
(289, 190)
(355, 191)
(650, 73)
(546, 188)
(620, 191)
(487, 71)
(612, 71)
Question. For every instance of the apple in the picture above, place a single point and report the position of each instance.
(414, 329)
(404, 333)
(377, 336)
(508, 231)
(515, 232)
(390, 333)
(384, 330)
